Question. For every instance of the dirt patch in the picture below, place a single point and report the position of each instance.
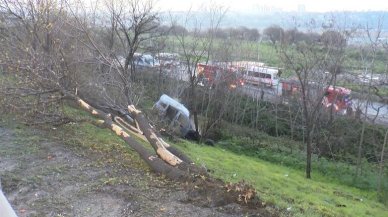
(42, 177)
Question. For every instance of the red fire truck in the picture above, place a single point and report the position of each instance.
(210, 75)
(336, 98)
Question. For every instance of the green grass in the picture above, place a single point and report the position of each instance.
(266, 52)
(286, 152)
(285, 187)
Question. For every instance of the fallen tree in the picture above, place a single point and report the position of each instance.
(154, 162)
(202, 189)
(47, 60)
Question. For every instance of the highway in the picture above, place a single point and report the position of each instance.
(377, 112)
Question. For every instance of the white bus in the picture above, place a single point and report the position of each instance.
(262, 75)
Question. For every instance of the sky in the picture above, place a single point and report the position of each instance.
(254, 6)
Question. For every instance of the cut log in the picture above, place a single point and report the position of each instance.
(154, 162)
(164, 148)
(130, 128)
(153, 138)
(176, 151)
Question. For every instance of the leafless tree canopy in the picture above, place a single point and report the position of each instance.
(57, 50)
(316, 66)
(38, 50)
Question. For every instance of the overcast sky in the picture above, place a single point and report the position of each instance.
(254, 6)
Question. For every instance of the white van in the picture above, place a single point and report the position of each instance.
(176, 113)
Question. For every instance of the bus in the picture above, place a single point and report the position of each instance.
(262, 75)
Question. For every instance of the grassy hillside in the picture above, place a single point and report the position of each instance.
(287, 188)
(281, 186)
(277, 183)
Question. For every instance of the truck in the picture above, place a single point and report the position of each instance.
(210, 75)
(338, 99)
(335, 98)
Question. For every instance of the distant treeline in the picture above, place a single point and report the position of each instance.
(287, 20)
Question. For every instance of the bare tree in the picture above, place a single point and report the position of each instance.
(316, 67)
(197, 47)
(38, 54)
(382, 163)
(367, 52)
(40, 64)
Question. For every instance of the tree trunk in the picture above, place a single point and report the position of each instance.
(308, 152)
(276, 119)
(242, 118)
(154, 140)
(193, 105)
(291, 123)
(236, 110)
(359, 154)
(381, 169)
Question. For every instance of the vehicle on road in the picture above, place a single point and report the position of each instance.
(338, 99)
(210, 75)
(168, 59)
(374, 79)
(145, 60)
(262, 76)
